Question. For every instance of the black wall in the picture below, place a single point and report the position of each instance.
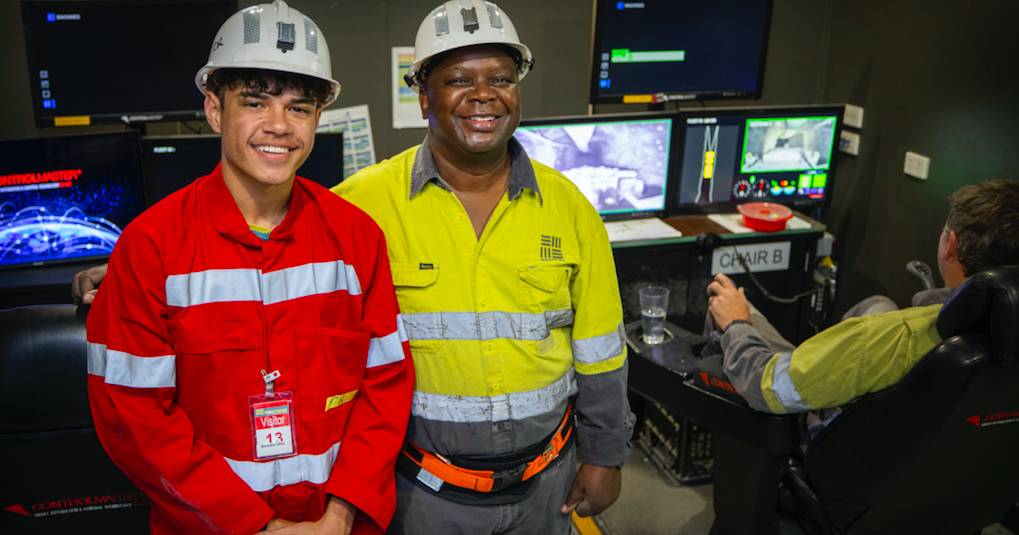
(938, 78)
(360, 35)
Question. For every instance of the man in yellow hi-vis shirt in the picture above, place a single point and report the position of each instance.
(508, 294)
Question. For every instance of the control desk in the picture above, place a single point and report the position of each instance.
(783, 262)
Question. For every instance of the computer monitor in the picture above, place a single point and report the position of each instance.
(734, 155)
(662, 50)
(67, 198)
(621, 163)
(101, 61)
(172, 162)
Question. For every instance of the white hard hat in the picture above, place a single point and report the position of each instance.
(273, 37)
(460, 23)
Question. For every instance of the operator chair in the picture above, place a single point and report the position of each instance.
(58, 478)
(933, 454)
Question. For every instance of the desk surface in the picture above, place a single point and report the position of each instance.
(694, 224)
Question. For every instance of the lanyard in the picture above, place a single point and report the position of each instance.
(270, 382)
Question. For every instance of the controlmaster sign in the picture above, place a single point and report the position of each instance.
(759, 257)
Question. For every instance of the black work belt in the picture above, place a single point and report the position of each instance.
(484, 476)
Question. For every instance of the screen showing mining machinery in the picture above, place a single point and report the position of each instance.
(735, 157)
(172, 162)
(681, 49)
(67, 198)
(620, 165)
(118, 61)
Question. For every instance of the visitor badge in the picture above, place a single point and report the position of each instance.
(272, 424)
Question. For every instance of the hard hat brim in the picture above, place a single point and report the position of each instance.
(526, 59)
(204, 72)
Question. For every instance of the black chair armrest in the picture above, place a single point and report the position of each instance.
(709, 374)
(714, 407)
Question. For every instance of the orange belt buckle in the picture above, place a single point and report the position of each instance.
(551, 451)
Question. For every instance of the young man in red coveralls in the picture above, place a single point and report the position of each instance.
(247, 367)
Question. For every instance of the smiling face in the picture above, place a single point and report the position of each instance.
(266, 137)
(471, 101)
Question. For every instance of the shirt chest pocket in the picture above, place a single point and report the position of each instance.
(331, 366)
(216, 372)
(545, 287)
(414, 283)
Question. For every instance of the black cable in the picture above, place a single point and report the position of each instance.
(764, 292)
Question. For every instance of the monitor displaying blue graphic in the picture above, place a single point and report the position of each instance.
(621, 164)
(67, 198)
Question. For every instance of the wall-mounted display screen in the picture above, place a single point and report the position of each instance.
(778, 154)
(660, 50)
(67, 198)
(101, 61)
(620, 163)
(172, 162)
(776, 145)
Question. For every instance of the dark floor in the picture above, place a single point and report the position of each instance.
(652, 504)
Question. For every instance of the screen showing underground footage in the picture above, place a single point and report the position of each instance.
(620, 165)
(67, 198)
(735, 157)
(682, 49)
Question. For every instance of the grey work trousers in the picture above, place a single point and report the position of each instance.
(420, 512)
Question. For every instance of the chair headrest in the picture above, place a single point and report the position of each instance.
(43, 369)
(987, 303)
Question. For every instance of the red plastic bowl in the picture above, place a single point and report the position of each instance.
(765, 216)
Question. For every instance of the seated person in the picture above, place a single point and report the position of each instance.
(872, 351)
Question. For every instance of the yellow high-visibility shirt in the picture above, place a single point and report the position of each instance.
(855, 357)
(505, 328)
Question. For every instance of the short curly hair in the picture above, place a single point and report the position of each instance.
(985, 218)
(271, 82)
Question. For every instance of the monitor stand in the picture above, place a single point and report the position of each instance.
(40, 285)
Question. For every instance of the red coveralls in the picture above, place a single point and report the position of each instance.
(195, 305)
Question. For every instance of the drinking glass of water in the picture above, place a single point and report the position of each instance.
(654, 301)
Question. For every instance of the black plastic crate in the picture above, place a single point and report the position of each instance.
(677, 446)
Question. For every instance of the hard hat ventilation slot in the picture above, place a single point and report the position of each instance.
(310, 36)
(470, 17)
(494, 17)
(441, 22)
(286, 36)
(252, 27)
